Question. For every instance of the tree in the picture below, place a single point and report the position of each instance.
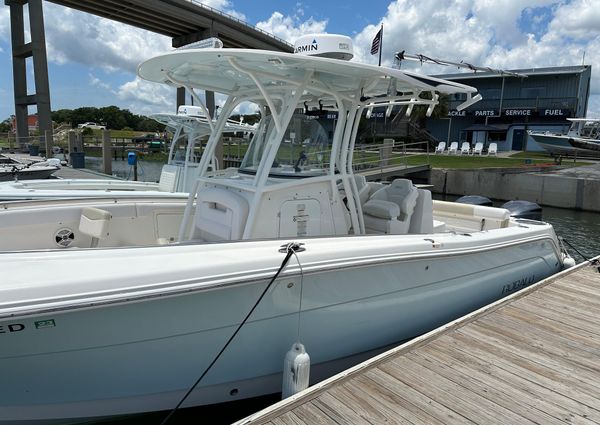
(5, 126)
(112, 116)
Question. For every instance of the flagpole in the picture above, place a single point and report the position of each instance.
(381, 44)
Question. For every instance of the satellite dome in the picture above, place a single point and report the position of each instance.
(332, 46)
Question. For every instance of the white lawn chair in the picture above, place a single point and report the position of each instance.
(441, 147)
(477, 149)
(493, 149)
(453, 149)
(465, 148)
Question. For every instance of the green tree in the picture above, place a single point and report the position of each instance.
(5, 126)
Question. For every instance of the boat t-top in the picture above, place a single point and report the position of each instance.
(114, 307)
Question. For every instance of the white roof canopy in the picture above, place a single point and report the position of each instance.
(232, 71)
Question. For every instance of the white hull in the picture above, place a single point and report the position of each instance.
(143, 344)
(565, 144)
(40, 172)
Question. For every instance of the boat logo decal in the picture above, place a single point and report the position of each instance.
(307, 47)
(518, 284)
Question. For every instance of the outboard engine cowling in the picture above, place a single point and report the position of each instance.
(524, 209)
(475, 200)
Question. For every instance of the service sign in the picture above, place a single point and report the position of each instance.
(519, 112)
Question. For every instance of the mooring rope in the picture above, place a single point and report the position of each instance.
(289, 249)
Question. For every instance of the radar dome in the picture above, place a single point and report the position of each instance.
(325, 45)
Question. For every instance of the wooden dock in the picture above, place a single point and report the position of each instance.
(81, 173)
(533, 357)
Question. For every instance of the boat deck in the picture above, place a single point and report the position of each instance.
(530, 358)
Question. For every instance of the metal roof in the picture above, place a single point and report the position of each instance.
(577, 69)
(183, 20)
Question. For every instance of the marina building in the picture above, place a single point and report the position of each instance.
(539, 99)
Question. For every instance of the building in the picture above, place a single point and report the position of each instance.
(541, 100)
(32, 123)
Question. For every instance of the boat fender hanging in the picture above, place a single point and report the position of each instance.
(568, 262)
(296, 371)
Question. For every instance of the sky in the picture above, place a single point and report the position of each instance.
(92, 61)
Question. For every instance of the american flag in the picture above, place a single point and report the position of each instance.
(376, 43)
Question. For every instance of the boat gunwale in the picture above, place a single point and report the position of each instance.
(118, 296)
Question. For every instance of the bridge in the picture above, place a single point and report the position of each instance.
(185, 21)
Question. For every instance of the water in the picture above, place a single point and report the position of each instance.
(148, 171)
(579, 228)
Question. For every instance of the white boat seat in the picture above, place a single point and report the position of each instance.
(389, 210)
(94, 223)
(421, 221)
(220, 215)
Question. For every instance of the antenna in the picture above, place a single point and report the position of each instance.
(400, 56)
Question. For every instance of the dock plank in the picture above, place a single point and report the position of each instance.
(560, 388)
(497, 390)
(449, 393)
(391, 403)
(503, 375)
(410, 395)
(531, 358)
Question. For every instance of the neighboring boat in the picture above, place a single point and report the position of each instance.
(583, 136)
(130, 326)
(189, 125)
(15, 172)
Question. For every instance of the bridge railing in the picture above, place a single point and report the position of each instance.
(228, 16)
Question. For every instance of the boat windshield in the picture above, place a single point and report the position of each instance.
(591, 129)
(303, 152)
(180, 150)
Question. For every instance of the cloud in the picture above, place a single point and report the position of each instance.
(290, 28)
(225, 6)
(73, 36)
(95, 81)
(474, 31)
(4, 24)
(499, 33)
(146, 97)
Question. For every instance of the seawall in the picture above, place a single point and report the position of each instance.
(556, 190)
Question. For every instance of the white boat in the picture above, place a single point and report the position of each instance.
(583, 136)
(128, 327)
(189, 125)
(13, 170)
